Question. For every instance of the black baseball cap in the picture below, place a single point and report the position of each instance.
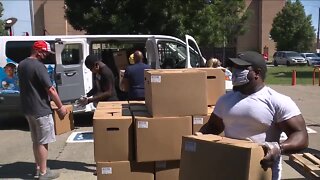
(250, 58)
(91, 60)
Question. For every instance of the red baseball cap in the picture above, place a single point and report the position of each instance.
(42, 45)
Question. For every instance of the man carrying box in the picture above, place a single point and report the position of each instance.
(256, 112)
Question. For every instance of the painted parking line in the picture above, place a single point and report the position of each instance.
(80, 137)
(283, 136)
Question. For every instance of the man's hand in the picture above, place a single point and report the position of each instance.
(62, 112)
(272, 151)
(83, 101)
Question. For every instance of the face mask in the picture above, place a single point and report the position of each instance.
(239, 77)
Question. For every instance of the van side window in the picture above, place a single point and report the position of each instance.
(72, 54)
(19, 50)
(172, 55)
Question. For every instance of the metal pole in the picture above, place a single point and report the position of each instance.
(318, 30)
(32, 17)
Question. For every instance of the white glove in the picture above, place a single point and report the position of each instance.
(272, 152)
(83, 101)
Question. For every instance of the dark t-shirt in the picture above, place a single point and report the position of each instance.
(102, 83)
(34, 81)
(135, 76)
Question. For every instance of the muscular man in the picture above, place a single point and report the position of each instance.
(257, 112)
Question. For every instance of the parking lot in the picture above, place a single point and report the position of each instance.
(75, 160)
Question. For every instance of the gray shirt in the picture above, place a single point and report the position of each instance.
(34, 81)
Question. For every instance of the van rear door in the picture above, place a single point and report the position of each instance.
(69, 70)
(152, 53)
(194, 59)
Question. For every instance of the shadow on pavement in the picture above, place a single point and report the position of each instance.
(18, 122)
(25, 170)
(9, 122)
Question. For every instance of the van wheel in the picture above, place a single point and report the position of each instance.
(275, 63)
(288, 63)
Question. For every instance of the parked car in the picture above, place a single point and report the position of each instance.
(288, 58)
(312, 58)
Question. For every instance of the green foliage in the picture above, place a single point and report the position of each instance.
(2, 30)
(292, 29)
(208, 23)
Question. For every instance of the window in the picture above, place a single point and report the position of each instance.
(19, 50)
(72, 54)
(174, 55)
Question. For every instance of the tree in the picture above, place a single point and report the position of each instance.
(292, 29)
(209, 22)
(3, 32)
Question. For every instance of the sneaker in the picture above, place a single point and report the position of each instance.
(37, 173)
(49, 175)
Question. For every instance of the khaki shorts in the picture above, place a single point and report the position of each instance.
(42, 129)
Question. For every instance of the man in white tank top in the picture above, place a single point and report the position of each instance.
(259, 113)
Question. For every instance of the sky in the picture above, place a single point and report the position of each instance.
(20, 10)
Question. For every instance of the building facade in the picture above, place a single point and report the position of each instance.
(49, 19)
(257, 36)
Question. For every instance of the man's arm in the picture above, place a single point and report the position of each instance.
(295, 129)
(56, 99)
(124, 85)
(100, 96)
(213, 126)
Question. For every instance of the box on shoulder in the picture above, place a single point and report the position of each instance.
(176, 92)
(159, 138)
(125, 170)
(62, 125)
(167, 170)
(213, 157)
(215, 84)
(113, 138)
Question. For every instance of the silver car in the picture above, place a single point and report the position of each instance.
(288, 58)
(312, 59)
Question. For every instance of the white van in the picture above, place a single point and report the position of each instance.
(68, 72)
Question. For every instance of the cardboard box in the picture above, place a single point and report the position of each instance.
(167, 170)
(121, 59)
(125, 170)
(113, 138)
(159, 138)
(176, 92)
(62, 125)
(215, 157)
(112, 105)
(198, 122)
(215, 84)
(101, 114)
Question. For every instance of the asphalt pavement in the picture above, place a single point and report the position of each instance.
(75, 160)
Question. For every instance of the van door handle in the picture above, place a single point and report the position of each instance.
(70, 73)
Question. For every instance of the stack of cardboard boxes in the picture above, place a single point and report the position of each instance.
(142, 140)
